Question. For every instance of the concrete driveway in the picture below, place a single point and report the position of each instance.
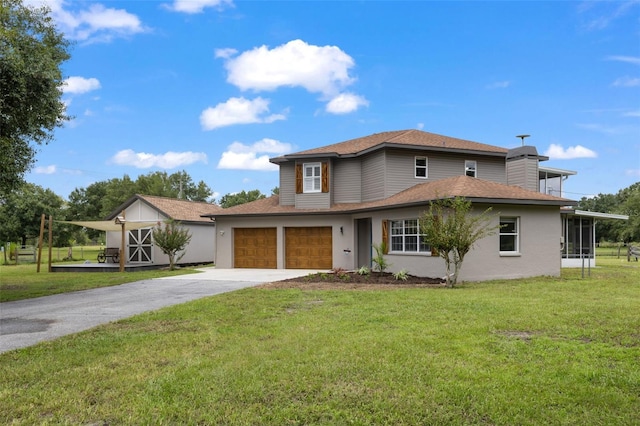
(27, 322)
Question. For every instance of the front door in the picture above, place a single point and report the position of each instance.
(363, 236)
(140, 247)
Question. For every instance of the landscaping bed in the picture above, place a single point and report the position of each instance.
(352, 280)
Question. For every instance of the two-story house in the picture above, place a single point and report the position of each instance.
(336, 201)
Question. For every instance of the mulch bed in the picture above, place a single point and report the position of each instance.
(354, 281)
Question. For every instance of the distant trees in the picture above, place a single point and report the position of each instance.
(627, 202)
(101, 198)
(242, 197)
(21, 213)
(32, 51)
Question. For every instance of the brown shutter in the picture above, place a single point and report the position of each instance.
(385, 236)
(325, 176)
(298, 178)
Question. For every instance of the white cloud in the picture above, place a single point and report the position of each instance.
(238, 111)
(345, 103)
(239, 156)
(96, 23)
(78, 85)
(557, 152)
(420, 126)
(635, 113)
(197, 6)
(627, 82)
(499, 85)
(46, 170)
(169, 160)
(318, 69)
(628, 59)
(632, 172)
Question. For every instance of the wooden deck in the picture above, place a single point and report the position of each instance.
(104, 267)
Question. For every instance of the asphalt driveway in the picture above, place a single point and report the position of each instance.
(26, 322)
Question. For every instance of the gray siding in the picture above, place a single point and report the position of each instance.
(400, 168)
(287, 184)
(400, 172)
(346, 184)
(316, 200)
(373, 176)
(523, 172)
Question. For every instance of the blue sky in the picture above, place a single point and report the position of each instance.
(217, 87)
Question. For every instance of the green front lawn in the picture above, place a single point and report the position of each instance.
(527, 352)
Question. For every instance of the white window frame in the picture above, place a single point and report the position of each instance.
(424, 167)
(311, 182)
(515, 233)
(398, 232)
(471, 166)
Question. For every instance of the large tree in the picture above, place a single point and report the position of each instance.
(452, 229)
(32, 51)
(21, 212)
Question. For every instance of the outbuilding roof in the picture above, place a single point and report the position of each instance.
(173, 208)
(473, 189)
(417, 139)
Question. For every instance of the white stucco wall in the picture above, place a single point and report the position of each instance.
(539, 247)
(341, 241)
(538, 255)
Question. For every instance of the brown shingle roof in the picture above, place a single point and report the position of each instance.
(473, 189)
(181, 210)
(405, 138)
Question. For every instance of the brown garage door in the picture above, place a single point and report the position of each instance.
(255, 248)
(308, 248)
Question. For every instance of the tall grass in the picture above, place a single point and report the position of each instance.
(527, 352)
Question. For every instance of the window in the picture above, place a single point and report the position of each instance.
(421, 167)
(406, 237)
(509, 235)
(312, 177)
(470, 168)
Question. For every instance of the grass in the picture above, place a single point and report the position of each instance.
(22, 281)
(531, 351)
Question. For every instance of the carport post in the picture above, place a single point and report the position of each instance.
(120, 220)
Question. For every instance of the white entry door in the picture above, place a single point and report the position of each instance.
(140, 246)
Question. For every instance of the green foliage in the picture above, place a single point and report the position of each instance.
(32, 51)
(380, 263)
(242, 197)
(364, 270)
(172, 239)
(627, 202)
(21, 212)
(100, 199)
(452, 230)
(401, 275)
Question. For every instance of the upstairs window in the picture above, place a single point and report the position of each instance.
(470, 168)
(421, 167)
(406, 237)
(509, 235)
(312, 177)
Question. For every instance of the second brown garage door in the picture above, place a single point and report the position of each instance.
(308, 248)
(255, 248)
